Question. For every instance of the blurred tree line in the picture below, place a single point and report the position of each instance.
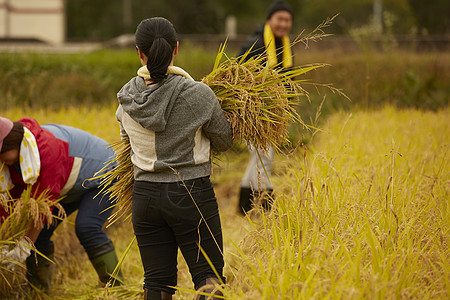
(105, 19)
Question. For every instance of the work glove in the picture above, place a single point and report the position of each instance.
(17, 255)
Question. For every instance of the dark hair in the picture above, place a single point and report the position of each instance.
(156, 38)
(14, 138)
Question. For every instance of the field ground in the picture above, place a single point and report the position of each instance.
(361, 212)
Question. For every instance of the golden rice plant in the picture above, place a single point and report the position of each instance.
(27, 210)
(363, 215)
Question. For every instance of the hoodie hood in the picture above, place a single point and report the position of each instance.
(151, 106)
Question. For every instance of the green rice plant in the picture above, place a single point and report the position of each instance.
(27, 210)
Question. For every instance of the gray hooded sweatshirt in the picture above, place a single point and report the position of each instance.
(172, 127)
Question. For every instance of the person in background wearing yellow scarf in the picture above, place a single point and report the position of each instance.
(273, 39)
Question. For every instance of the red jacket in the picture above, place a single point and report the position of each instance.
(56, 164)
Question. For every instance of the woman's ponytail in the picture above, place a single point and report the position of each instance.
(157, 39)
(159, 58)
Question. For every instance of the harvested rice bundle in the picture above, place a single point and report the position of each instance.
(257, 100)
(22, 212)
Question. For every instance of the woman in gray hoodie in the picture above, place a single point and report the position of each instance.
(172, 123)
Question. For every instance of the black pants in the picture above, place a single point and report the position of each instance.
(166, 216)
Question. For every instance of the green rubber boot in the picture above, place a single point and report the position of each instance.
(40, 270)
(104, 260)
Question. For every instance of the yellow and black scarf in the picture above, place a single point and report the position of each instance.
(269, 42)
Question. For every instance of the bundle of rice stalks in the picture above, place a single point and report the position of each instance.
(257, 100)
(22, 212)
(117, 179)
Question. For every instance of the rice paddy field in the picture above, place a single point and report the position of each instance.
(361, 207)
